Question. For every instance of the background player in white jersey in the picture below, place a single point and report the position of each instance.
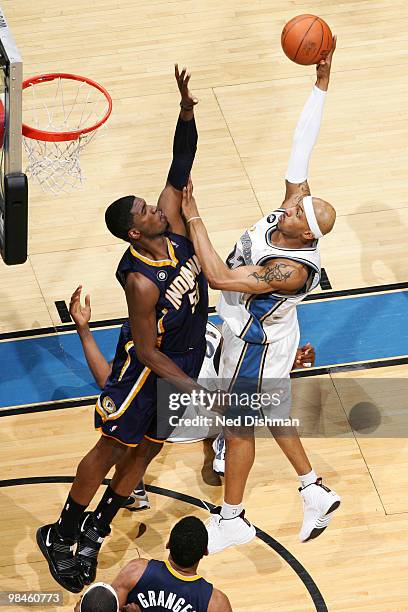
(273, 267)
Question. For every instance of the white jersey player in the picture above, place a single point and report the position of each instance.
(272, 268)
(268, 317)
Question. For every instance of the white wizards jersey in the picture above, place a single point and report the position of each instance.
(266, 317)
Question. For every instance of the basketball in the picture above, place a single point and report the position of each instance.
(306, 39)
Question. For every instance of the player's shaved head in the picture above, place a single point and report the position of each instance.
(325, 215)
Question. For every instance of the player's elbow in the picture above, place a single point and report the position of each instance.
(145, 355)
(218, 279)
(101, 381)
(102, 374)
(215, 282)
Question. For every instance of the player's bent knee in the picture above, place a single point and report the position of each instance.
(108, 451)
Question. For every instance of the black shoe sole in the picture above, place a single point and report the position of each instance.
(130, 509)
(81, 565)
(84, 577)
(130, 501)
(316, 532)
(54, 573)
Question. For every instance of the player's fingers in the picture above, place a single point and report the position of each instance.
(187, 79)
(176, 71)
(334, 43)
(88, 300)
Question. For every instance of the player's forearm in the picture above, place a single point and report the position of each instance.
(322, 83)
(165, 368)
(184, 149)
(305, 137)
(97, 363)
(215, 270)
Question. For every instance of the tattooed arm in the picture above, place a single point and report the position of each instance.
(282, 275)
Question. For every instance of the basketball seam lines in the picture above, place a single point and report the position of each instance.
(293, 25)
(321, 44)
(306, 33)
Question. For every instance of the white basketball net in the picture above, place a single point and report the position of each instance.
(60, 105)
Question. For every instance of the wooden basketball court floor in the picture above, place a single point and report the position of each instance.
(250, 98)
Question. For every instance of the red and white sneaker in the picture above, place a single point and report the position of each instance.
(319, 504)
(223, 533)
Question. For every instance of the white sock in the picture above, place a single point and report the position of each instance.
(308, 479)
(229, 511)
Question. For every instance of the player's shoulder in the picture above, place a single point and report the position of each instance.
(130, 574)
(219, 602)
(139, 285)
(138, 280)
(137, 564)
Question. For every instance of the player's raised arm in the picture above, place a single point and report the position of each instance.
(81, 315)
(184, 149)
(307, 131)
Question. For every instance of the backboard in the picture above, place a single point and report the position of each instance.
(13, 182)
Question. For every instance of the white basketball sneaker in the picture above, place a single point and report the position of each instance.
(319, 504)
(219, 459)
(138, 499)
(223, 533)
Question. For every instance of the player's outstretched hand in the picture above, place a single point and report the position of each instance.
(323, 68)
(305, 357)
(187, 99)
(188, 204)
(80, 314)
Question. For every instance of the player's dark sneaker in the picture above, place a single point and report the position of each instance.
(61, 559)
(89, 544)
(138, 499)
